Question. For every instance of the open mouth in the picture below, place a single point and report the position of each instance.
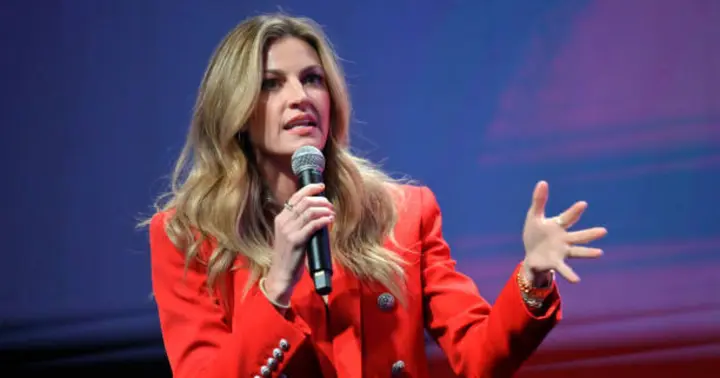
(293, 125)
(301, 121)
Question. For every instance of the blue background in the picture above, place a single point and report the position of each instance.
(612, 102)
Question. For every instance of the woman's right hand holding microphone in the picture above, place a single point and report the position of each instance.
(304, 213)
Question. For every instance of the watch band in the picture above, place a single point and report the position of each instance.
(534, 296)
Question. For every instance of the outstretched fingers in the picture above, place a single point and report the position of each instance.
(584, 252)
(572, 215)
(567, 272)
(539, 200)
(586, 236)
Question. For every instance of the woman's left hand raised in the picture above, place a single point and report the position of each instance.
(548, 243)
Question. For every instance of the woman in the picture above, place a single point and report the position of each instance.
(228, 263)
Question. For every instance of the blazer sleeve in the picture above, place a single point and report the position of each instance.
(199, 340)
(479, 340)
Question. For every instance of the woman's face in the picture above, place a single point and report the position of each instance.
(294, 105)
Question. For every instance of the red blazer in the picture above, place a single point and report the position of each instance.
(365, 332)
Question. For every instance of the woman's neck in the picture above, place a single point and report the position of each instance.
(279, 179)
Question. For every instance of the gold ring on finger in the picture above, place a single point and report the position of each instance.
(560, 222)
(289, 207)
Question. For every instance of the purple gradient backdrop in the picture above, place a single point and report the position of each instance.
(614, 102)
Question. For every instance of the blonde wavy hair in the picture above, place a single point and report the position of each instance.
(218, 193)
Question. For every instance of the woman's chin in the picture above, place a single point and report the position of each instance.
(310, 140)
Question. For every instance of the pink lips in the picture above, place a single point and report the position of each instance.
(302, 120)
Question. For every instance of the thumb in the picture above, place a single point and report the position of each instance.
(539, 199)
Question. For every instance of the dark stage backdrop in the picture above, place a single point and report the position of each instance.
(615, 102)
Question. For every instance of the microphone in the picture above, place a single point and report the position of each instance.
(308, 164)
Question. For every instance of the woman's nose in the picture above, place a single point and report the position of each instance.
(297, 95)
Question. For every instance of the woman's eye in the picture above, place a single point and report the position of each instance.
(270, 84)
(314, 79)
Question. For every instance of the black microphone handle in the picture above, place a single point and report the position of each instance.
(318, 247)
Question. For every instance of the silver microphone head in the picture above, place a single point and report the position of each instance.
(307, 157)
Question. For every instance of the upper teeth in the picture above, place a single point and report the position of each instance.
(301, 123)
